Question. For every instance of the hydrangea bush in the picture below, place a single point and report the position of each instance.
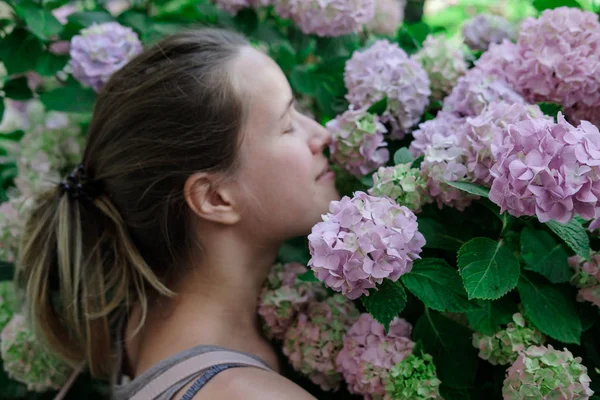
(468, 176)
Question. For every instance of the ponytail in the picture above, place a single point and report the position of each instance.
(80, 271)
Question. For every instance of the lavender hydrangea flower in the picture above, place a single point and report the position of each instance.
(547, 169)
(484, 29)
(283, 296)
(403, 184)
(442, 143)
(503, 347)
(313, 342)
(587, 278)
(475, 90)
(234, 6)
(499, 61)
(27, 361)
(542, 373)
(559, 54)
(488, 126)
(363, 240)
(101, 50)
(369, 354)
(385, 70)
(328, 17)
(357, 143)
(444, 63)
(414, 377)
(389, 15)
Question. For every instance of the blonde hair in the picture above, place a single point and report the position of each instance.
(170, 112)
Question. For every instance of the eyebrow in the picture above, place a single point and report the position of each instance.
(290, 104)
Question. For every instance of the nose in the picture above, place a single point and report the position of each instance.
(319, 137)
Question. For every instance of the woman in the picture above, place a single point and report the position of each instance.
(153, 252)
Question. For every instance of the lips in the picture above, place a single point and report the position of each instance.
(323, 171)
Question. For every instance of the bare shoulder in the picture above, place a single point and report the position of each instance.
(250, 384)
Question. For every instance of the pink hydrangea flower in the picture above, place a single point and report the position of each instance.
(389, 15)
(283, 296)
(489, 125)
(328, 17)
(500, 61)
(101, 50)
(385, 70)
(475, 90)
(444, 124)
(312, 343)
(357, 143)
(369, 354)
(559, 58)
(547, 169)
(363, 240)
(485, 29)
(545, 373)
(587, 278)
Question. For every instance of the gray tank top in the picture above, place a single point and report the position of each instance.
(124, 388)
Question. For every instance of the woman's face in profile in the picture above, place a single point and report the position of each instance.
(282, 160)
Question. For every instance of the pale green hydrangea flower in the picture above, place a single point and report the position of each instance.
(504, 346)
(413, 378)
(403, 184)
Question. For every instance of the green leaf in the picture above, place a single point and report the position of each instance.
(551, 109)
(385, 303)
(574, 235)
(71, 98)
(40, 22)
(87, 18)
(437, 235)
(437, 285)
(302, 79)
(139, 21)
(17, 89)
(491, 315)
(49, 64)
(379, 107)
(542, 5)
(543, 255)
(284, 55)
(450, 346)
(246, 20)
(7, 271)
(549, 309)
(472, 188)
(417, 162)
(19, 51)
(403, 156)
(2, 107)
(489, 269)
(308, 276)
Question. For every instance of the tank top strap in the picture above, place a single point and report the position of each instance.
(191, 367)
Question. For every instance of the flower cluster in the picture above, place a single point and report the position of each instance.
(8, 302)
(384, 70)
(363, 240)
(484, 29)
(547, 169)
(542, 373)
(357, 143)
(283, 296)
(46, 152)
(504, 346)
(587, 278)
(499, 61)
(234, 6)
(477, 89)
(27, 361)
(328, 17)
(12, 219)
(444, 63)
(389, 15)
(369, 354)
(313, 342)
(101, 50)
(414, 377)
(403, 184)
(490, 126)
(559, 54)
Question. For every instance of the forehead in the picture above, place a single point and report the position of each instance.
(262, 85)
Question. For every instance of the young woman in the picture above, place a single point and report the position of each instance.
(152, 254)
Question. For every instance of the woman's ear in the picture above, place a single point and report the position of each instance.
(210, 201)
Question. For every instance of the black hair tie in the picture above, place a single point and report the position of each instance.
(79, 186)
